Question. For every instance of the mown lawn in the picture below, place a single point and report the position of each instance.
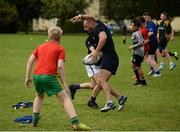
(155, 107)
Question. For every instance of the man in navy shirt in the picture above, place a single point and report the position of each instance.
(109, 61)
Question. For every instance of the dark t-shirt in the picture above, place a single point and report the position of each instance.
(90, 42)
(108, 47)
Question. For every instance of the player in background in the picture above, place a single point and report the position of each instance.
(50, 58)
(153, 43)
(138, 53)
(164, 34)
(148, 29)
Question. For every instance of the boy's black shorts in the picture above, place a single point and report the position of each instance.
(110, 62)
(152, 49)
(137, 60)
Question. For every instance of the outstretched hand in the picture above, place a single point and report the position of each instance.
(75, 19)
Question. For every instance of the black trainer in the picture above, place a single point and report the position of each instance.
(72, 91)
(92, 104)
(137, 83)
(143, 82)
(121, 102)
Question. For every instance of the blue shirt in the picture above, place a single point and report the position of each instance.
(152, 28)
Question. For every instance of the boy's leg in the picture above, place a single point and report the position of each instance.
(69, 108)
(36, 108)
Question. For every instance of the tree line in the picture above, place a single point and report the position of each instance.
(17, 15)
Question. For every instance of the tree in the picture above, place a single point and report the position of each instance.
(62, 9)
(120, 9)
(8, 17)
(27, 11)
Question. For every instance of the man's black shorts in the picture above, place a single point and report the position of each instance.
(110, 62)
(137, 60)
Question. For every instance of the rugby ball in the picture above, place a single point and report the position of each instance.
(89, 61)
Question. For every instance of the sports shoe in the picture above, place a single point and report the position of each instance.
(72, 91)
(107, 107)
(121, 102)
(35, 121)
(143, 82)
(176, 55)
(150, 73)
(172, 66)
(162, 65)
(157, 75)
(137, 83)
(81, 127)
(92, 104)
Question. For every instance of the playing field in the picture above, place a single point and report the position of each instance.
(154, 107)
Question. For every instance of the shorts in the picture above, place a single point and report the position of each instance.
(92, 70)
(152, 49)
(46, 83)
(162, 44)
(110, 62)
(137, 60)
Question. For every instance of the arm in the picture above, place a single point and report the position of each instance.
(29, 65)
(61, 73)
(79, 17)
(139, 44)
(102, 41)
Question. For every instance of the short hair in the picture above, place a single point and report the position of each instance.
(54, 33)
(90, 19)
(141, 19)
(147, 14)
(165, 13)
(136, 23)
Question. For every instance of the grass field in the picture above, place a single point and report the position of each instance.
(155, 107)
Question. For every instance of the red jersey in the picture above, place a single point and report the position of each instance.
(47, 55)
(144, 32)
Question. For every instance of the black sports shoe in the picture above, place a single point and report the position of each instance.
(121, 102)
(137, 83)
(72, 91)
(92, 104)
(143, 82)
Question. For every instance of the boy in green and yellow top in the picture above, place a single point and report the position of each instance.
(50, 58)
(164, 34)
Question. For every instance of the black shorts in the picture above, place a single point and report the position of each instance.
(162, 44)
(152, 49)
(137, 60)
(110, 62)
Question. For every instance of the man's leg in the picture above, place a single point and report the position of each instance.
(36, 108)
(103, 76)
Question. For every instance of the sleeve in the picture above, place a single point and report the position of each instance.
(137, 40)
(35, 52)
(62, 54)
(168, 29)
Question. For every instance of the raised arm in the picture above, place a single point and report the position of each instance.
(79, 17)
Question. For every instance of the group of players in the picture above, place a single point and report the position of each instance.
(50, 57)
(149, 41)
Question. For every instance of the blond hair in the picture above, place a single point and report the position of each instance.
(54, 33)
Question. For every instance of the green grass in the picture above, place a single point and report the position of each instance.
(155, 107)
